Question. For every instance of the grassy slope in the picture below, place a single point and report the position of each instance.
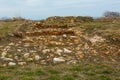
(83, 71)
(110, 31)
(7, 27)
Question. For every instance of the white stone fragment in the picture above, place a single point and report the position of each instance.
(96, 38)
(32, 51)
(11, 64)
(64, 35)
(26, 45)
(73, 37)
(59, 51)
(4, 54)
(66, 50)
(7, 47)
(29, 59)
(46, 50)
(11, 44)
(37, 57)
(6, 59)
(55, 60)
(19, 50)
(16, 57)
(53, 36)
(26, 55)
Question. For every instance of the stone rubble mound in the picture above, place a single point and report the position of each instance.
(44, 44)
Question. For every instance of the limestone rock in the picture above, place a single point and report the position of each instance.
(12, 64)
(29, 59)
(26, 55)
(53, 36)
(73, 37)
(67, 51)
(55, 60)
(16, 57)
(7, 59)
(27, 40)
(19, 50)
(59, 51)
(26, 45)
(72, 61)
(64, 35)
(11, 44)
(46, 51)
(43, 62)
(37, 57)
(96, 38)
(32, 51)
(4, 54)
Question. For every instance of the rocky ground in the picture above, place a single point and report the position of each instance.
(44, 44)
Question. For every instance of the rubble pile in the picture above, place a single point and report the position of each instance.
(44, 44)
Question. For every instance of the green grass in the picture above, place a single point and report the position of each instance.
(68, 77)
(39, 72)
(8, 27)
(52, 71)
(28, 78)
(4, 77)
(98, 27)
(82, 71)
(55, 77)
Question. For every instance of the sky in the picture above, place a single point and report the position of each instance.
(41, 9)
